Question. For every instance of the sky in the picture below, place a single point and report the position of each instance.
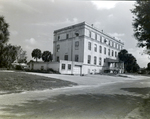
(32, 22)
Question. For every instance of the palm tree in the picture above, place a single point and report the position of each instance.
(36, 54)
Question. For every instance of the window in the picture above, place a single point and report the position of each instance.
(90, 34)
(63, 66)
(58, 47)
(67, 36)
(66, 57)
(76, 58)
(58, 37)
(77, 34)
(112, 53)
(95, 47)
(115, 54)
(109, 42)
(109, 52)
(95, 36)
(100, 61)
(89, 45)
(105, 40)
(76, 45)
(69, 66)
(101, 39)
(104, 50)
(89, 59)
(104, 60)
(100, 49)
(116, 45)
(57, 59)
(95, 60)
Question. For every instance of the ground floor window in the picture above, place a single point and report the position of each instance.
(69, 66)
(63, 66)
(76, 58)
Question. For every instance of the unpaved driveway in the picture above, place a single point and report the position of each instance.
(95, 97)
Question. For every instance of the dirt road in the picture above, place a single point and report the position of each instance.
(95, 97)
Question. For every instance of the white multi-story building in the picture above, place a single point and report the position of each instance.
(83, 49)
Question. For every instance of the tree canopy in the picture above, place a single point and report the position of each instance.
(4, 34)
(130, 64)
(141, 23)
(46, 56)
(36, 54)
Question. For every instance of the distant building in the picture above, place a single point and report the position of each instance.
(83, 49)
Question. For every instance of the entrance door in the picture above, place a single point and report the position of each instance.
(76, 70)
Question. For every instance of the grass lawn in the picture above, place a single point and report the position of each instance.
(13, 82)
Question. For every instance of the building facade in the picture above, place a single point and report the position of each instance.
(85, 50)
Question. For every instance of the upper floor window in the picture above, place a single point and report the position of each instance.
(76, 45)
(108, 52)
(58, 37)
(76, 58)
(90, 34)
(66, 57)
(109, 42)
(67, 36)
(58, 47)
(95, 47)
(89, 59)
(57, 59)
(95, 59)
(100, 61)
(115, 54)
(101, 39)
(104, 50)
(112, 53)
(95, 36)
(89, 45)
(100, 49)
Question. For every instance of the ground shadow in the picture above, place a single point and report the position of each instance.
(76, 107)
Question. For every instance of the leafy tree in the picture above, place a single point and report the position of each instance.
(46, 56)
(4, 34)
(130, 63)
(36, 54)
(148, 66)
(141, 23)
(21, 55)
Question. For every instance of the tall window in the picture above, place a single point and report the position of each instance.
(57, 59)
(76, 58)
(69, 66)
(108, 52)
(100, 49)
(115, 54)
(89, 45)
(104, 50)
(90, 34)
(67, 36)
(100, 61)
(76, 45)
(58, 47)
(95, 36)
(58, 37)
(63, 66)
(95, 60)
(109, 42)
(66, 57)
(112, 53)
(101, 39)
(95, 47)
(89, 59)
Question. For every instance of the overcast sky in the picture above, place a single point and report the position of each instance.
(32, 22)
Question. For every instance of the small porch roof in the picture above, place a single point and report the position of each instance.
(113, 60)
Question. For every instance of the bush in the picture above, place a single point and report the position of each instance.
(18, 67)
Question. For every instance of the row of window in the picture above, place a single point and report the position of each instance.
(103, 40)
(67, 36)
(95, 60)
(76, 58)
(100, 50)
(76, 46)
(63, 66)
